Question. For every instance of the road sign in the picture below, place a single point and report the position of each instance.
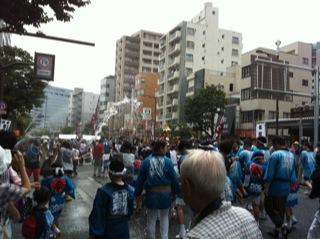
(5, 124)
(3, 108)
(44, 66)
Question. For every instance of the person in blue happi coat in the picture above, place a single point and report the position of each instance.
(113, 206)
(308, 163)
(279, 175)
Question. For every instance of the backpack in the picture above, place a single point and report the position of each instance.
(34, 224)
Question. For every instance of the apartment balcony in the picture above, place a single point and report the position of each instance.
(174, 76)
(159, 105)
(174, 62)
(175, 115)
(162, 56)
(175, 49)
(175, 36)
(189, 93)
(173, 89)
(169, 116)
(175, 102)
(169, 103)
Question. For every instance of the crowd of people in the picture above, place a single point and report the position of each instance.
(213, 190)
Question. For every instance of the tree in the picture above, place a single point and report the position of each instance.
(20, 13)
(88, 129)
(21, 91)
(202, 109)
(68, 130)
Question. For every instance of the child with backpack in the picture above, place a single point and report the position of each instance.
(39, 224)
(60, 186)
(113, 206)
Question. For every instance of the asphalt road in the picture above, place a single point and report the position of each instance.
(74, 219)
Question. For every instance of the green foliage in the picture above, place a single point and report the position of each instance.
(22, 121)
(68, 130)
(183, 131)
(20, 13)
(21, 91)
(202, 108)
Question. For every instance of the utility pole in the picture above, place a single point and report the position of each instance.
(316, 106)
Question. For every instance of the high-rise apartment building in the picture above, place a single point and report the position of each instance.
(83, 106)
(53, 112)
(135, 54)
(107, 94)
(189, 47)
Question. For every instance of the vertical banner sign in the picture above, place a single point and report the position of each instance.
(44, 66)
(261, 130)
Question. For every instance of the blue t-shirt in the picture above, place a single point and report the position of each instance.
(280, 173)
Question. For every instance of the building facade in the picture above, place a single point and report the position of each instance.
(83, 106)
(268, 76)
(145, 92)
(53, 112)
(107, 94)
(187, 48)
(134, 54)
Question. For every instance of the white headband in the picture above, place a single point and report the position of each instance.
(123, 172)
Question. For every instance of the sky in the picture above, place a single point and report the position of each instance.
(261, 22)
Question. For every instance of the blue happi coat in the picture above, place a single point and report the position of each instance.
(157, 170)
(112, 208)
(308, 163)
(280, 173)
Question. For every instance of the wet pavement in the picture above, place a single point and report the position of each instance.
(74, 218)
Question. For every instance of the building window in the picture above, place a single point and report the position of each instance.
(305, 60)
(234, 63)
(222, 61)
(156, 46)
(147, 44)
(235, 40)
(204, 32)
(231, 87)
(246, 72)
(189, 57)
(203, 58)
(155, 69)
(190, 31)
(213, 12)
(222, 48)
(246, 94)
(235, 52)
(190, 44)
(147, 53)
(286, 115)
(290, 74)
(246, 117)
(272, 114)
(189, 71)
(222, 36)
(203, 45)
(221, 73)
(305, 82)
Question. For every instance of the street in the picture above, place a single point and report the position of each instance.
(74, 219)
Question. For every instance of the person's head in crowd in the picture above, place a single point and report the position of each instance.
(8, 139)
(203, 176)
(126, 147)
(261, 142)
(66, 144)
(116, 170)
(278, 143)
(235, 146)
(247, 144)
(226, 147)
(306, 145)
(145, 152)
(183, 146)
(41, 196)
(57, 170)
(159, 147)
(258, 157)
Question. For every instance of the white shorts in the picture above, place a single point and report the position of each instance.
(254, 200)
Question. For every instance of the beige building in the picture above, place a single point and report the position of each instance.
(268, 75)
(135, 54)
